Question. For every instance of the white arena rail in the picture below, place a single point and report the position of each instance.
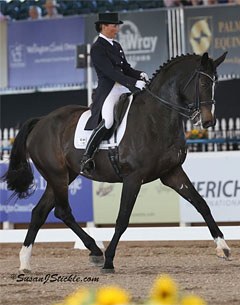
(131, 234)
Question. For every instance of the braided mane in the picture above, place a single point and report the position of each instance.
(172, 61)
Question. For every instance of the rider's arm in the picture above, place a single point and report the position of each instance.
(103, 63)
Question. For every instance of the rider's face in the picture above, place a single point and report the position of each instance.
(110, 30)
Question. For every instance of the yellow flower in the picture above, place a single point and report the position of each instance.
(195, 131)
(197, 134)
(192, 300)
(111, 295)
(11, 140)
(164, 291)
(80, 297)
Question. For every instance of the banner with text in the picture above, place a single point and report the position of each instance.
(145, 46)
(80, 198)
(43, 52)
(216, 177)
(215, 30)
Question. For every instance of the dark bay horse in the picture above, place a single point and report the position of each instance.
(153, 147)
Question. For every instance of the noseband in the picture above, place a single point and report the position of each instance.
(192, 110)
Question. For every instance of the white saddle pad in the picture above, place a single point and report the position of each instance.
(82, 136)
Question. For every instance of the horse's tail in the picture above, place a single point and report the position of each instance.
(19, 176)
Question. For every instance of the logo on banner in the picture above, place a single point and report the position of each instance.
(17, 56)
(75, 186)
(137, 48)
(219, 192)
(200, 34)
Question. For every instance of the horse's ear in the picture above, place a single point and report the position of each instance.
(219, 60)
(204, 59)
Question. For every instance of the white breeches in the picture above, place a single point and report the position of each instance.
(109, 103)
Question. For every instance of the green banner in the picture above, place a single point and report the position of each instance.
(156, 203)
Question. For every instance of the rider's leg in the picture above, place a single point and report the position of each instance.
(103, 128)
(96, 137)
(110, 102)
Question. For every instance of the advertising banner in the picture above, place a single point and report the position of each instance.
(215, 30)
(155, 203)
(143, 37)
(3, 54)
(80, 199)
(216, 177)
(43, 52)
(3, 194)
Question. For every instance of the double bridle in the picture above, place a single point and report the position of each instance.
(192, 110)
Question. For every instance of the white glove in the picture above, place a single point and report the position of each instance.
(140, 84)
(144, 76)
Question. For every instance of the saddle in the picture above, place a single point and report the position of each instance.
(119, 111)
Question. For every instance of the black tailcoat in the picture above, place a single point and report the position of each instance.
(111, 66)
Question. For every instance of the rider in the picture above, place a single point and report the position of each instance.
(115, 76)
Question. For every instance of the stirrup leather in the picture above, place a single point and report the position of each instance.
(87, 164)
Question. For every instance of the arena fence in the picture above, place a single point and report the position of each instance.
(225, 136)
(131, 234)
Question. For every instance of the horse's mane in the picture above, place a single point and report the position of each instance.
(171, 62)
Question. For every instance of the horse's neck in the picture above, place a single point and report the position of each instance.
(159, 116)
(165, 87)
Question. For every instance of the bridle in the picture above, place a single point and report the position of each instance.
(192, 110)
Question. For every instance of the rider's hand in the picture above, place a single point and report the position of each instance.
(140, 84)
(144, 76)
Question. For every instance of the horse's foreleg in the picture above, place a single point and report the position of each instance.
(130, 190)
(178, 180)
(39, 216)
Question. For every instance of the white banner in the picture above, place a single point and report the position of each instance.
(216, 176)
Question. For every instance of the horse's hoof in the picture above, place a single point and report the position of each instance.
(108, 271)
(97, 260)
(24, 270)
(224, 253)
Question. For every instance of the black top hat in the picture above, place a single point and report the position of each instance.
(108, 18)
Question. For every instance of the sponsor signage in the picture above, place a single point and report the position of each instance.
(3, 194)
(144, 45)
(217, 179)
(155, 203)
(43, 52)
(80, 198)
(215, 30)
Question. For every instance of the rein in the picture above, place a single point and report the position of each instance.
(193, 109)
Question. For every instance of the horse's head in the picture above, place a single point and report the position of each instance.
(199, 91)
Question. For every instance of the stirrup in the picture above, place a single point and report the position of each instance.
(87, 166)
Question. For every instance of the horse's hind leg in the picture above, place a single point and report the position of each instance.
(178, 180)
(63, 212)
(39, 216)
(130, 190)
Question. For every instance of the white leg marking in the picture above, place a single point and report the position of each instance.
(222, 248)
(25, 256)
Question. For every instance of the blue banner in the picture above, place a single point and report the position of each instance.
(80, 198)
(43, 52)
(3, 194)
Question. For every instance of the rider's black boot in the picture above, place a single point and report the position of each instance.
(87, 162)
